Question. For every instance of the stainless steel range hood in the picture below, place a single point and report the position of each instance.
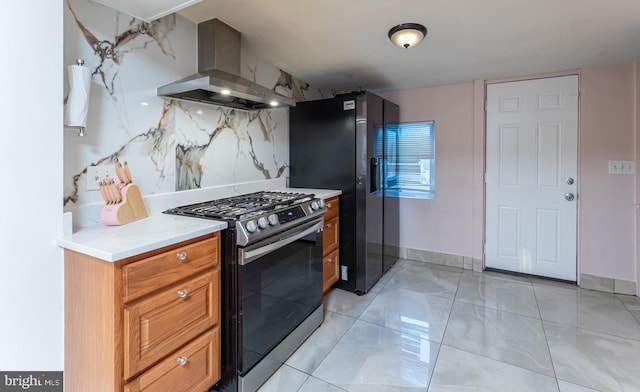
(218, 79)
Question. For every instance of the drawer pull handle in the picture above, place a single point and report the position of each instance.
(328, 205)
(182, 256)
(329, 260)
(183, 293)
(328, 225)
(182, 361)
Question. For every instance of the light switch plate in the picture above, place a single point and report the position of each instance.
(622, 167)
(95, 174)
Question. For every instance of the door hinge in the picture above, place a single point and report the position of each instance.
(486, 105)
(484, 248)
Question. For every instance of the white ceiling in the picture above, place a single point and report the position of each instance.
(343, 44)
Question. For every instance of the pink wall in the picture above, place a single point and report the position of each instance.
(637, 206)
(453, 222)
(606, 210)
(443, 224)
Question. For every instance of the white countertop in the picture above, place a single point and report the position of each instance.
(113, 243)
(320, 193)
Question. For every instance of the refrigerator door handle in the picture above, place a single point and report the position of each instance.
(374, 174)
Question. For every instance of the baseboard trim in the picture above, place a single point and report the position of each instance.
(608, 285)
(438, 258)
(589, 282)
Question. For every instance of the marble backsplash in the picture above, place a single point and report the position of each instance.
(169, 145)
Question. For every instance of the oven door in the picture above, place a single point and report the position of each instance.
(281, 283)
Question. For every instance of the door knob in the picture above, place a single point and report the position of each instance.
(569, 196)
(569, 181)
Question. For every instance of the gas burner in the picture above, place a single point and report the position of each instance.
(236, 206)
(257, 215)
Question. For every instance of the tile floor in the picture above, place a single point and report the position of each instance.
(430, 328)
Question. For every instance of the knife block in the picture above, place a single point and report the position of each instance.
(130, 209)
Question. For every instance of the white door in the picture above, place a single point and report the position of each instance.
(531, 183)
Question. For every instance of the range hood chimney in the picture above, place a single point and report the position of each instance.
(218, 79)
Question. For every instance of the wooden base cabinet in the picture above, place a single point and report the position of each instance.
(330, 242)
(190, 369)
(147, 323)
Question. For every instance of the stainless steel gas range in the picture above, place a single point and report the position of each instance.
(271, 280)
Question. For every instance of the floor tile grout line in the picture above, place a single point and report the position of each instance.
(414, 289)
(457, 299)
(385, 285)
(337, 340)
(356, 318)
(546, 338)
(388, 283)
(633, 315)
(302, 384)
(581, 291)
(628, 310)
(481, 275)
(591, 330)
(319, 379)
(497, 360)
(334, 345)
(328, 351)
(444, 334)
(494, 359)
(499, 310)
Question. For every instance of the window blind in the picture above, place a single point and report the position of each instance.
(410, 142)
(409, 156)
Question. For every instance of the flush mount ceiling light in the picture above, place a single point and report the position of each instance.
(407, 35)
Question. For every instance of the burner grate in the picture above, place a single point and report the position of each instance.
(235, 207)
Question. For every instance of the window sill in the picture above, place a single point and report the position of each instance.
(410, 194)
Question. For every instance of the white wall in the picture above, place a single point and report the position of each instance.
(31, 277)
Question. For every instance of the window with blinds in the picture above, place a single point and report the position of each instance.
(409, 159)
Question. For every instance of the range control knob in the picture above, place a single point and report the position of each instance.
(251, 226)
(314, 205)
(321, 203)
(273, 219)
(263, 223)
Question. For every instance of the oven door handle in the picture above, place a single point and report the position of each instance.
(249, 256)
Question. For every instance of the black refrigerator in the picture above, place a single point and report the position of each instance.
(339, 143)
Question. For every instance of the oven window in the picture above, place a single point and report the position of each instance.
(279, 291)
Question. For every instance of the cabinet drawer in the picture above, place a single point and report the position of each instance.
(332, 205)
(193, 368)
(330, 236)
(155, 272)
(158, 325)
(330, 270)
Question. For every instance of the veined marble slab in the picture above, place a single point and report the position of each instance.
(170, 145)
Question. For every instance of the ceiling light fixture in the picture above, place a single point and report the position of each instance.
(407, 35)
